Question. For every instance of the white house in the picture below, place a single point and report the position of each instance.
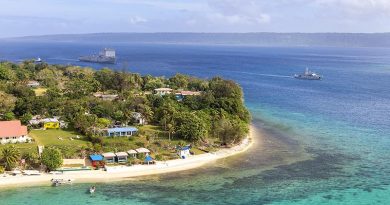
(12, 132)
(163, 91)
(139, 119)
(33, 84)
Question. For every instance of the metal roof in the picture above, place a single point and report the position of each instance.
(122, 129)
(108, 154)
(121, 154)
(142, 150)
(148, 159)
(96, 157)
(132, 151)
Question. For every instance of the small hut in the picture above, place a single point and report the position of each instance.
(96, 159)
(109, 157)
(132, 153)
(142, 151)
(184, 152)
(149, 160)
(121, 157)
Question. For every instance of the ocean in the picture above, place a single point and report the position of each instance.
(325, 142)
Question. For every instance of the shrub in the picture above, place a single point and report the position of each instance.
(52, 158)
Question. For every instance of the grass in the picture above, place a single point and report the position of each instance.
(157, 142)
(51, 137)
(40, 91)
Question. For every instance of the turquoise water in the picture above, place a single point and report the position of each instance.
(327, 142)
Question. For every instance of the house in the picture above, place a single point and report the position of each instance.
(182, 94)
(139, 118)
(33, 84)
(50, 123)
(184, 152)
(142, 151)
(120, 131)
(121, 157)
(109, 157)
(96, 160)
(13, 132)
(107, 97)
(163, 91)
(132, 153)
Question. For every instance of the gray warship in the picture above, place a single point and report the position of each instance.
(308, 75)
(105, 56)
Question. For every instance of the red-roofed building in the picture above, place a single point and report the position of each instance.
(12, 132)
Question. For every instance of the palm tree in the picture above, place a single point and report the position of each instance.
(11, 156)
(170, 130)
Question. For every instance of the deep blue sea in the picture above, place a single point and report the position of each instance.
(325, 142)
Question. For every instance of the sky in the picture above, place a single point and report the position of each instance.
(33, 17)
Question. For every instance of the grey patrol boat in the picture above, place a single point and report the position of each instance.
(308, 75)
(105, 56)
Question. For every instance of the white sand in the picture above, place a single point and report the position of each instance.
(123, 172)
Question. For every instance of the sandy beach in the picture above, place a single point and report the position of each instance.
(127, 172)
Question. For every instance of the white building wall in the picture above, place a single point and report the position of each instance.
(20, 139)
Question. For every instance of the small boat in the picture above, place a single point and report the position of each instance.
(308, 75)
(31, 172)
(58, 182)
(38, 60)
(92, 189)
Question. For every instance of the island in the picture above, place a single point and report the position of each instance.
(91, 124)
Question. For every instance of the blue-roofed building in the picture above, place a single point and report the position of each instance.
(121, 131)
(96, 159)
(184, 152)
(148, 159)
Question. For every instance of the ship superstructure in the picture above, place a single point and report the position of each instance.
(107, 55)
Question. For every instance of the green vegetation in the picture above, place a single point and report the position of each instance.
(11, 157)
(215, 117)
(52, 158)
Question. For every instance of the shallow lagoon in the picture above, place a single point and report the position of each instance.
(327, 142)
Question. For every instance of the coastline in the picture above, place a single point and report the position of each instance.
(125, 173)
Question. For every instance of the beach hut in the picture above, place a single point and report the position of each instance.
(142, 151)
(96, 159)
(149, 159)
(121, 157)
(184, 152)
(132, 153)
(109, 157)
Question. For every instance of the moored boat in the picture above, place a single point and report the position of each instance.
(58, 182)
(308, 75)
(38, 60)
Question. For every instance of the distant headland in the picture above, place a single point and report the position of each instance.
(247, 39)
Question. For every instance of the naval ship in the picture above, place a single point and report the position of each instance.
(308, 75)
(105, 56)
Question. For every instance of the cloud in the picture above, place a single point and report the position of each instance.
(238, 11)
(137, 20)
(358, 7)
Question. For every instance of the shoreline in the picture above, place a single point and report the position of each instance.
(120, 173)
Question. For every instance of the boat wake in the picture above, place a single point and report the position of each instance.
(64, 59)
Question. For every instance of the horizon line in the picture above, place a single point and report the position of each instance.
(179, 32)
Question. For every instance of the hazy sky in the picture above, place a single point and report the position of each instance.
(31, 17)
